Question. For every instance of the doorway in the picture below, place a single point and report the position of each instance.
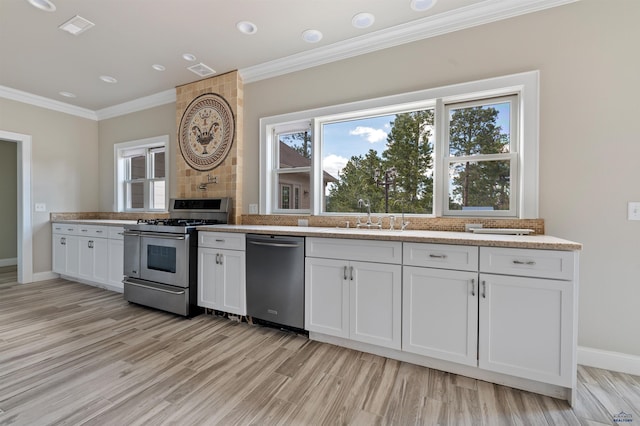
(25, 240)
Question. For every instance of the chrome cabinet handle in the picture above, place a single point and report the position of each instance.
(217, 258)
(219, 241)
(524, 262)
(351, 273)
(345, 273)
(221, 258)
(63, 241)
(473, 287)
(484, 289)
(438, 256)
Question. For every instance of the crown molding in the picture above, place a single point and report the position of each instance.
(455, 20)
(157, 99)
(41, 101)
(468, 17)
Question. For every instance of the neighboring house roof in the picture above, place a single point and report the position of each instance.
(289, 157)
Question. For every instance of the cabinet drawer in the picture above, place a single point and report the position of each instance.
(222, 240)
(444, 256)
(116, 233)
(93, 231)
(528, 263)
(64, 228)
(364, 250)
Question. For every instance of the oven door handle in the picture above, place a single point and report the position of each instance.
(162, 235)
(152, 288)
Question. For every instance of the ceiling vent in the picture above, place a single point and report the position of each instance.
(201, 69)
(76, 25)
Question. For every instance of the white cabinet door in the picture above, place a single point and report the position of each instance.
(232, 282)
(326, 296)
(526, 327)
(440, 314)
(222, 280)
(375, 301)
(92, 255)
(100, 251)
(59, 253)
(72, 267)
(207, 277)
(116, 263)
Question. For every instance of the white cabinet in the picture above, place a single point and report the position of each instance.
(92, 264)
(440, 314)
(89, 253)
(440, 301)
(221, 272)
(115, 269)
(351, 298)
(527, 325)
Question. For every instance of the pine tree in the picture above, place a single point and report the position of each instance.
(474, 131)
(410, 152)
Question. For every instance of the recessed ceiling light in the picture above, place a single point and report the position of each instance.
(45, 5)
(189, 57)
(108, 79)
(363, 20)
(422, 5)
(312, 36)
(68, 94)
(246, 27)
(76, 25)
(158, 67)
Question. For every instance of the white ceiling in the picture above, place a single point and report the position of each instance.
(131, 35)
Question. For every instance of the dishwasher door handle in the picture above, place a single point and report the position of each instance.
(288, 245)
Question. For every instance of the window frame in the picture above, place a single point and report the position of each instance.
(512, 155)
(524, 85)
(121, 171)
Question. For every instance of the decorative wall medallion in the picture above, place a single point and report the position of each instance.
(206, 131)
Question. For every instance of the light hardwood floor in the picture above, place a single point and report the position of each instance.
(78, 355)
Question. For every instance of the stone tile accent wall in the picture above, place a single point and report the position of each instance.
(415, 223)
(229, 173)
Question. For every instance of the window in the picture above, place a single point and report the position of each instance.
(141, 175)
(292, 167)
(469, 149)
(481, 157)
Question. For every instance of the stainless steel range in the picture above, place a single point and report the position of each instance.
(161, 255)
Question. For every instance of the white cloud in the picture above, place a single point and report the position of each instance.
(372, 135)
(332, 164)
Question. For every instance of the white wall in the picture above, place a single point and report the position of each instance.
(144, 124)
(587, 53)
(64, 166)
(9, 204)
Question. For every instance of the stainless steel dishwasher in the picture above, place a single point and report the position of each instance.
(275, 279)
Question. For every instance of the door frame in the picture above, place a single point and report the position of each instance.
(25, 236)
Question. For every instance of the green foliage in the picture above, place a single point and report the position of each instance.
(300, 141)
(474, 131)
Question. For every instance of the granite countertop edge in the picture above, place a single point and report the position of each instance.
(544, 242)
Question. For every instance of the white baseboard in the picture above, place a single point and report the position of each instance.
(608, 360)
(9, 262)
(43, 276)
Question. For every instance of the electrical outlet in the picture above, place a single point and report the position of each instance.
(41, 207)
(469, 226)
(253, 209)
(634, 211)
(303, 222)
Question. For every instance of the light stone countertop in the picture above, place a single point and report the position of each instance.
(544, 242)
(97, 222)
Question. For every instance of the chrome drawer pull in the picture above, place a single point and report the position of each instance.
(345, 273)
(524, 262)
(484, 289)
(438, 256)
(473, 287)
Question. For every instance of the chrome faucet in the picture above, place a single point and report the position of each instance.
(369, 223)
